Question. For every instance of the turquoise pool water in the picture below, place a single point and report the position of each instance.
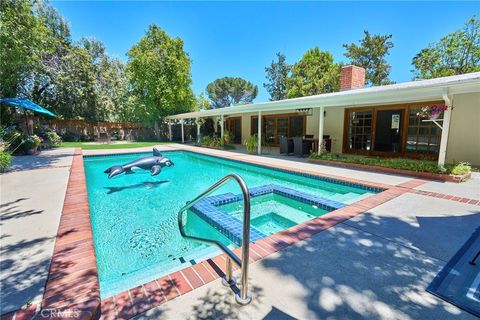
(272, 213)
(134, 217)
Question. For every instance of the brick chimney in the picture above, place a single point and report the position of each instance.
(352, 77)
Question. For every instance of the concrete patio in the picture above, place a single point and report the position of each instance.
(374, 266)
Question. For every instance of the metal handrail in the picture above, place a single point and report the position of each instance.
(244, 297)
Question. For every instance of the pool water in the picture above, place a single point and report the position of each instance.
(272, 213)
(134, 216)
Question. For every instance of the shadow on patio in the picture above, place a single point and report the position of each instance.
(341, 273)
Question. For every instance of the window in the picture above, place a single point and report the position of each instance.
(423, 137)
(360, 130)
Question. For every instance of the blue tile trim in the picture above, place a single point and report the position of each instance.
(207, 209)
(227, 225)
(307, 175)
(143, 153)
(320, 202)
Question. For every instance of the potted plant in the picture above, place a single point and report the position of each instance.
(431, 112)
(227, 136)
(250, 143)
(31, 144)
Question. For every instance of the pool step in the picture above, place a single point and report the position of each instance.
(224, 223)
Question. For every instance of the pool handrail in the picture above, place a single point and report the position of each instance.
(242, 298)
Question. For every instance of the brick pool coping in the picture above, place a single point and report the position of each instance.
(72, 284)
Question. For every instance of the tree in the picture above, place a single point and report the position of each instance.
(203, 103)
(228, 91)
(315, 73)
(456, 53)
(74, 94)
(159, 73)
(111, 84)
(38, 61)
(23, 38)
(277, 77)
(370, 54)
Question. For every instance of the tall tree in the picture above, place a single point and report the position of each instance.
(203, 103)
(370, 54)
(456, 53)
(315, 73)
(159, 73)
(277, 77)
(110, 80)
(74, 94)
(23, 38)
(227, 91)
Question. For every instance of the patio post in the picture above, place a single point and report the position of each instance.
(447, 114)
(259, 134)
(198, 129)
(170, 136)
(320, 129)
(183, 135)
(221, 125)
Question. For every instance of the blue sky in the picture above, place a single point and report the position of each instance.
(239, 39)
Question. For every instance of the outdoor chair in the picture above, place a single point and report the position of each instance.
(309, 136)
(301, 148)
(104, 137)
(286, 146)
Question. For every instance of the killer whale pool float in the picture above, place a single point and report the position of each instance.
(154, 164)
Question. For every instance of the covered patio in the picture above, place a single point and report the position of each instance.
(375, 121)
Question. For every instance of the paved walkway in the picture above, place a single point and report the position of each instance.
(31, 203)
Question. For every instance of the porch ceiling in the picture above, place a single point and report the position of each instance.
(414, 91)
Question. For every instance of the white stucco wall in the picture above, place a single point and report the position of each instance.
(464, 135)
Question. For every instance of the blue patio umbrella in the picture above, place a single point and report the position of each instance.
(26, 105)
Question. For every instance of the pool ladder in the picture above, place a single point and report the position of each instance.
(243, 297)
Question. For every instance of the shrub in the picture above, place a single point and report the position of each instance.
(461, 168)
(53, 139)
(397, 163)
(11, 140)
(31, 142)
(70, 136)
(5, 160)
(251, 143)
(212, 142)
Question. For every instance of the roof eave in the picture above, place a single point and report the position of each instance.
(391, 94)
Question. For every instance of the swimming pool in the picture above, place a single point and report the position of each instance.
(134, 217)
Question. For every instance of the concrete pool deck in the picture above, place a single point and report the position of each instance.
(376, 265)
(393, 252)
(31, 204)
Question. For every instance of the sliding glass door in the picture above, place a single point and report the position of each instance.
(388, 130)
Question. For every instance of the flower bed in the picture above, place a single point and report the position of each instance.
(458, 172)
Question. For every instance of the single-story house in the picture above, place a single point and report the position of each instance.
(376, 121)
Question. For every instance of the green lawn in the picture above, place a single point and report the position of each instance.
(97, 146)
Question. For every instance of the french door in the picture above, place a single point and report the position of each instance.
(390, 131)
(234, 126)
